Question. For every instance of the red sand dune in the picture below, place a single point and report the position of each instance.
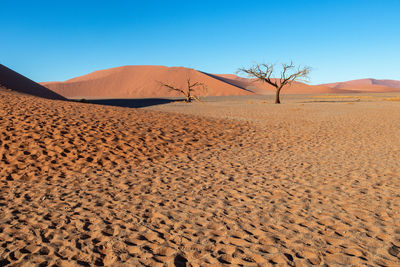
(367, 85)
(264, 88)
(139, 81)
(17, 82)
(142, 81)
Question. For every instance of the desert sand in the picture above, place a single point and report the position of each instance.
(236, 180)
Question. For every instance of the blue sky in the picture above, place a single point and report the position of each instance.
(340, 40)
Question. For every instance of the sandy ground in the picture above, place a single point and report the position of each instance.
(234, 181)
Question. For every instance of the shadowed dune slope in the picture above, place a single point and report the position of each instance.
(367, 85)
(17, 82)
(139, 81)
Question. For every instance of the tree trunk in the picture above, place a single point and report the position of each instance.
(277, 100)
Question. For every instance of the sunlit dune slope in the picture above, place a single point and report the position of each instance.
(367, 85)
(138, 82)
(265, 88)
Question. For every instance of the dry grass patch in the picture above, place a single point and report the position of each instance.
(397, 98)
(341, 96)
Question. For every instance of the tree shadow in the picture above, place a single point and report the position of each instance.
(180, 261)
(132, 102)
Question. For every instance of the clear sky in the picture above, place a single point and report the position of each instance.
(341, 40)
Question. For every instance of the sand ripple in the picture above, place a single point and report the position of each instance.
(91, 185)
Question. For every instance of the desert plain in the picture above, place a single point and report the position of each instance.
(229, 181)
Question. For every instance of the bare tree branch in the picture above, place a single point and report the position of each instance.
(288, 75)
(257, 72)
(187, 92)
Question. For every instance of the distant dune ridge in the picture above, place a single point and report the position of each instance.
(141, 82)
(17, 82)
(367, 85)
(263, 88)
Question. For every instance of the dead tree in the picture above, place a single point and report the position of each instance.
(289, 73)
(189, 91)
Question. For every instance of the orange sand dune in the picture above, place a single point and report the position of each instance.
(142, 81)
(139, 81)
(17, 82)
(367, 85)
(264, 88)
